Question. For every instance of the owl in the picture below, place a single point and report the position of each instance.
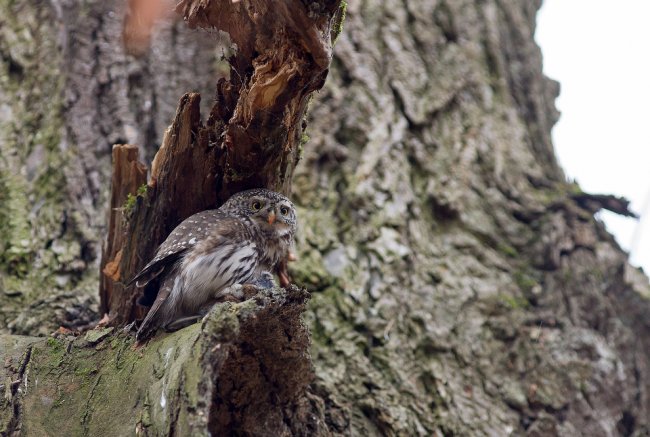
(241, 242)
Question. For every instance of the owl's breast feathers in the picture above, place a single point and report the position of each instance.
(275, 249)
(229, 255)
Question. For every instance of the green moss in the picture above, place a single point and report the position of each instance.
(132, 199)
(502, 303)
(14, 227)
(524, 281)
(96, 335)
(85, 371)
(85, 392)
(507, 250)
(129, 204)
(55, 346)
(339, 19)
(514, 302)
(145, 415)
(56, 351)
(224, 320)
(142, 190)
(32, 179)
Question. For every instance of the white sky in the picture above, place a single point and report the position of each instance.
(599, 51)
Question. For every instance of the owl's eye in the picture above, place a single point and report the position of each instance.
(256, 205)
(284, 210)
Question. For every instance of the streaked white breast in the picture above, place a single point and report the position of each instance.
(204, 276)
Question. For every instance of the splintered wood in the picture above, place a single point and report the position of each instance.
(128, 175)
(284, 51)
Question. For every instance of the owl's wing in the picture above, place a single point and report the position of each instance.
(227, 256)
(187, 234)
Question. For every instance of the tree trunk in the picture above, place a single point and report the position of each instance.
(459, 285)
(463, 288)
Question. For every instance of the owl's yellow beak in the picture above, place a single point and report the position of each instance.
(271, 217)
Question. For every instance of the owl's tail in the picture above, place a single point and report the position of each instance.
(157, 315)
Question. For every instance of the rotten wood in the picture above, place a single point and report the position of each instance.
(284, 51)
(252, 137)
(182, 182)
(128, 175)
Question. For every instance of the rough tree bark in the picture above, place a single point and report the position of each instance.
(465, 288)
(204, 380)
(68, 92)
(460, 285)
(256, 365)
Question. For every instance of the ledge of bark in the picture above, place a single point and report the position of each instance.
(595, 202)
(238, 371)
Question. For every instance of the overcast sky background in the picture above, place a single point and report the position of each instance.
(599, 51)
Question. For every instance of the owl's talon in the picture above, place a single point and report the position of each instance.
(130, 327)
(284, 279)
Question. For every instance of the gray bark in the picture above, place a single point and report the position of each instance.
(68, 92)
(458, 287)
(462, 290)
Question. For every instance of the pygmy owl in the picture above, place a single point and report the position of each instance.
(241, 242)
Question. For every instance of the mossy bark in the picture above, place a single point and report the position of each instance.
(68, 92)
(462, 287)
(458, 287)
(241, 371)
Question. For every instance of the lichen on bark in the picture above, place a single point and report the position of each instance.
(459, 281)
(40, 248)
(68, 92)
(459, 286)
(241, 370)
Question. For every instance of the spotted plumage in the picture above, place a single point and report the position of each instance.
(241, 242)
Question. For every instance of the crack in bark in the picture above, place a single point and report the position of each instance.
(176, 406)
(15, 423)
(88, 408)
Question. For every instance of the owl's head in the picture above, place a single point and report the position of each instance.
(272, 211)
